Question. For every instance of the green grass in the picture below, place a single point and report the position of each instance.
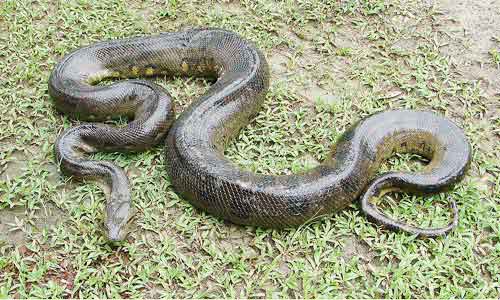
(495, 57)
(332, 63)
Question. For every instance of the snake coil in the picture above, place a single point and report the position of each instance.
(195, 141)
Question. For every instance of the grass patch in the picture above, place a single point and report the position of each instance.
(332, 63)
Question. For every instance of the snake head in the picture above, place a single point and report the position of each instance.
(118, 214)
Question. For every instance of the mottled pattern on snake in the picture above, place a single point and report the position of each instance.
(195, 143)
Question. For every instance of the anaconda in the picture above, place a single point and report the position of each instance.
(195, 142)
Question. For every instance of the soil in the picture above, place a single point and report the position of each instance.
(475, 26)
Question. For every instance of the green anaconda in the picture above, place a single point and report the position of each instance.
(195, 141)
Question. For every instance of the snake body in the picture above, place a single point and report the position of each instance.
(195, 142)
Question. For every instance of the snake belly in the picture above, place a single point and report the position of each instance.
(195, 143)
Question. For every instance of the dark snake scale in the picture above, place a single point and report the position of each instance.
(195, 142)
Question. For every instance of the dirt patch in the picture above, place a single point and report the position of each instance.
(17, 224)
(54, 173)
(17, 163)
(14, 167)
(356, 248)
(316, 94)
(278, 62)
(485, 183)
(353, 247)
(475, 27)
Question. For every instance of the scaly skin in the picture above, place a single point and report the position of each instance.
(195, 143)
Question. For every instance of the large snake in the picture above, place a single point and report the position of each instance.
(195, 143)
